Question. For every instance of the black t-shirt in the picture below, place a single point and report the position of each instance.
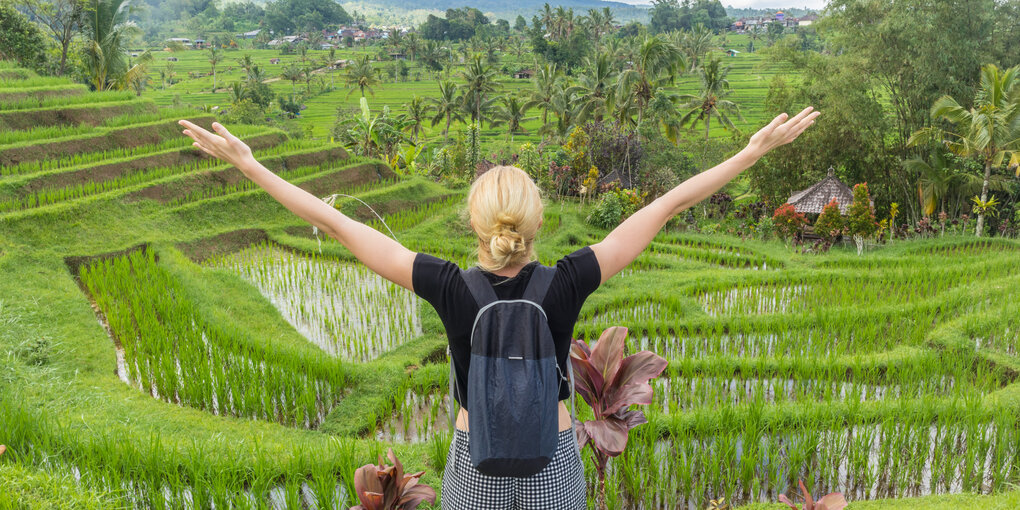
(440, 283)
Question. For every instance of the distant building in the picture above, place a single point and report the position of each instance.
(815, 198)
(807, 20)
(250, 35)
(274, 61)
(732, 53)
(524, 74)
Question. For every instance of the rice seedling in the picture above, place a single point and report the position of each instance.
(345, 309)
(172, 354)
(42, 101)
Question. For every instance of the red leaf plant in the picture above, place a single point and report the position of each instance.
(834, 501)
(386, 487)
(610, 383)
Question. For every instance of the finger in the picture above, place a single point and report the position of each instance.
(781, 118)
(800, 116)
(204, 149)
(805, 123)
(222, 131)
(198, 132)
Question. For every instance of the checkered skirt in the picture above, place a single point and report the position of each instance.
(558, 486)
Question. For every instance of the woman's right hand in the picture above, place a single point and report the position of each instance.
(224, 146)
(781, 131)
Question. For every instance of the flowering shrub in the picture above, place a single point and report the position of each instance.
(614, 206)
(788, 222)
(861, 216)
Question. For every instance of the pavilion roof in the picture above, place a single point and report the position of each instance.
(815, 198)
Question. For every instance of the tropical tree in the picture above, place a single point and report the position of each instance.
(543, 86)
(107, 33)
(293, 74)
(694, 43)
(480, 81)
(989, 131)
(656, 63)
(62, 17)
(215, 56)
(417, 114)
(711, 102)
(360, 74)
(246, 63)
(939, 179)
(596, 87)
(566, 108)
(447, 106)
(512, 113)
(370, 135)
(412, 44)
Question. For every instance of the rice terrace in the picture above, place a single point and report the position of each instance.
(842, 317)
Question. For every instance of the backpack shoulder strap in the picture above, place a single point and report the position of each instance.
(479, 286)
(538, 285)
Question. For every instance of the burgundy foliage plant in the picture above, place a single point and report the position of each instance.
(386, 487)
(610, 383)
(834, 501)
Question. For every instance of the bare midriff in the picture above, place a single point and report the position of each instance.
(462, 418)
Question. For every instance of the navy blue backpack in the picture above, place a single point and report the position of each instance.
(514, 380)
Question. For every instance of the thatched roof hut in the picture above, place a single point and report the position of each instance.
(815, 198)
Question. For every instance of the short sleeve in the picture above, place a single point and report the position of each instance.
(580, 271)
(438, 282)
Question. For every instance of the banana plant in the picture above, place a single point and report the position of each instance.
(610, 383)
(386, 487)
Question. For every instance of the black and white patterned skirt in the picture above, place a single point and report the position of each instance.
(558, 486)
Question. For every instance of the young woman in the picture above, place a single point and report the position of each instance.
(505, 211)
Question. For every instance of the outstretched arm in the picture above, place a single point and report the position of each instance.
(631, 237)
(380, 253)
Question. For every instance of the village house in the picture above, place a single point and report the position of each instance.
(524, 74)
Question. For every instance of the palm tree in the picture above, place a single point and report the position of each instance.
(544, 87)
(711, 102)
(512, 113)
(246, 63)
(656, 64)
(412, 44)
(990, 130)
(107, 30)
(938, 179)
(595, 87)
(360, 74)
(695, 43)
(565, 107)
(480, 81)
(447, 106)
(215, 56)
(417, 113)
(294, 74)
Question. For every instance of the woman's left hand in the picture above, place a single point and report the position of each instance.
(224, 146)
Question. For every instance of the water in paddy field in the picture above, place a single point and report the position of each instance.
(863, 463)
(417, 418)
(344, 308)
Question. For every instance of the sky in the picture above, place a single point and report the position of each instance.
(757, 4)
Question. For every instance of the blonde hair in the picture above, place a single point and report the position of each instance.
(505, 208)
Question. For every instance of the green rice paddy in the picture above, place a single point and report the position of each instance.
(174, 338)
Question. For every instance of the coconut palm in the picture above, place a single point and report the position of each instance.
(938, 179)
(512, 113)
(595, 87)
(990, 130)
(246, 63)
(565, 107)
(543, 87)
(417, 114)
(711, 102)
(360, 74)
(215, 56)
(294, 74)
(656, 63)
(412, 44)
(447, 106)
(695, 43)
(107, 33)
(480, 81)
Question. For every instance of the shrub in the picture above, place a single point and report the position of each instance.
(861, 216)
(788, 222)
(829, 224)
(614, 206)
